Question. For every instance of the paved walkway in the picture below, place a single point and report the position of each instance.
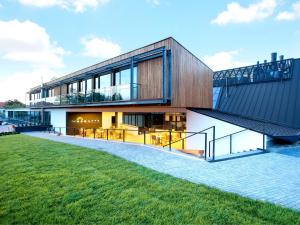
(273, 177)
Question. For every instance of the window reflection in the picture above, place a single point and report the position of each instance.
(105, 81)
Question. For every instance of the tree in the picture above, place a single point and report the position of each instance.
(12, 104)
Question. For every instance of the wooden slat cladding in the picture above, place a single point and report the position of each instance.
(64, 89)
(192, 79)
(56, 91)
(150, 78)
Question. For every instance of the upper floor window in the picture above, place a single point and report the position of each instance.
(105, 81)
(89, 85)
(81, 87)
(75, 87)
(72, 88)
(125, 76)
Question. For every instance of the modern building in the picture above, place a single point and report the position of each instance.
(162, 94)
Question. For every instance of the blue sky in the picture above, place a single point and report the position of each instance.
(50, 38)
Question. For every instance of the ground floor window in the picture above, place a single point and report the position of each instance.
(165, 121)
(36, 117)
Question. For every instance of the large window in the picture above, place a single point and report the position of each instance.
(97, 83)
(89, 85)
(125, 76)
(31, 116)
(75, 87)
(164, 121)
(72, 88)
(137, 120)
(35, 96)
(81, 86)
(105, 81)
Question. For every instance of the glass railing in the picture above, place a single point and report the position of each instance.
(158, 138)
(107, 94)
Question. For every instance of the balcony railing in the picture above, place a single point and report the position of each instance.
(106, 94)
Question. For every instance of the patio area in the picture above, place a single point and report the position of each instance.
(272, 177)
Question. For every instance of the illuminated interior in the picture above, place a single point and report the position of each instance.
(150, 128)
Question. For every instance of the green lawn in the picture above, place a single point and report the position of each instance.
(44, 182)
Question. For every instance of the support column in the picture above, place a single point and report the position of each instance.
(131, 79)
(164, 75)
(170, 74)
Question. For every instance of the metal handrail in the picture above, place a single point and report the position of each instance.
(228, 135)
(231, 135)
(200, 132)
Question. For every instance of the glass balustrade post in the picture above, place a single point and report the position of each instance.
(214, 137)
(170, 140)
(230, 139)
(205, 143)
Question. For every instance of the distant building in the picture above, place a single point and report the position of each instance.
(2, 110)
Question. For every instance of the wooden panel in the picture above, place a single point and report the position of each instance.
(56, 91)
(150, 78)
(192, 79)
(64, 89)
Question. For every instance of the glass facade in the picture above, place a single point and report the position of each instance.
(142, 128)
(164, 121)
(89, 85)
(115, 86)
(105, 81)
(34, 117)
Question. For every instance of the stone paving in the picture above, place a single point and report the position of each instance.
(273, 177)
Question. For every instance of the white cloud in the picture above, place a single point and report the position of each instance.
(154, 2)
(235, 13)
(12, 88)
(290, 15)
(223, 60)
(100, 48)
(28, 42)
(75, 5)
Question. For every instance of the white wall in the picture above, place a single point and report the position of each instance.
(243, 141)
(58, 119)
(120, 118)
(106, 119)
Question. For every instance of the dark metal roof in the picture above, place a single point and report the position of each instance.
(274, 102)
(270, 129)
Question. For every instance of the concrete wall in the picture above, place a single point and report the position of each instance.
(58, 119)
(243, 141)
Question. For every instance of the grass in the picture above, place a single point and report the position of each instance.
(44, 182)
